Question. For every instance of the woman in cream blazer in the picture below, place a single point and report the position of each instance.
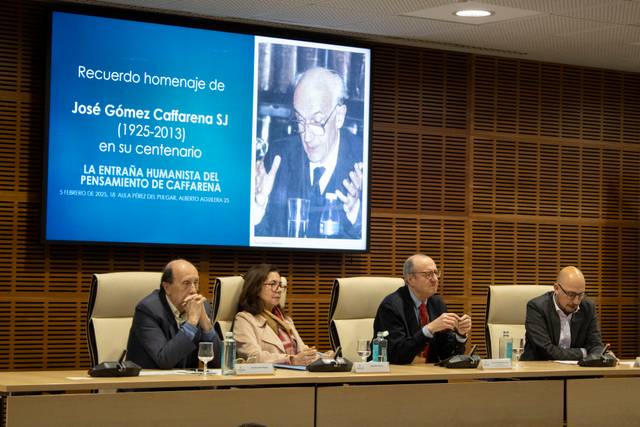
(263, 332)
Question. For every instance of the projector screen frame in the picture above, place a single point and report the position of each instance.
(215, 25)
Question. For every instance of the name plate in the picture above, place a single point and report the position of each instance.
(369, 367)
(254, 368)
(496, 364)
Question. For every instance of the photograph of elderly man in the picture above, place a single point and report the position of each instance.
(310, 181)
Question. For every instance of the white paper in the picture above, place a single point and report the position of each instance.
(504, 363)
(254, 368)
(368, 367)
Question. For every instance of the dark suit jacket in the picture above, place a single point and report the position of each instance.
(396, 314)
(543, 331)
(292, 181)
(155, 342)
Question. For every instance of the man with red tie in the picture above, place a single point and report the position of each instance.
(417, 319)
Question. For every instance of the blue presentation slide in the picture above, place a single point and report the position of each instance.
(150, 136)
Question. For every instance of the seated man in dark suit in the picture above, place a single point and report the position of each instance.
(321, 165)
(562, 324)
(169, 323)
(417, 319)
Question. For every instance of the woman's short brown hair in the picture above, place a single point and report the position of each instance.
(253, 281)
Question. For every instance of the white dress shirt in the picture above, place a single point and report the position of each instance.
(565, 327)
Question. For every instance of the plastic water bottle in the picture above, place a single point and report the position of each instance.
(228, 354)
(506, 346)
(379, 347)
(330, 218)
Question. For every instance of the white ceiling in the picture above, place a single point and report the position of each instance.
(595, 33)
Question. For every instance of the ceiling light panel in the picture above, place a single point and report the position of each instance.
(447, 13)
(620, 12)
(552, 6)
(535, 34)
(404, 27)
(473, 13)
(384, 7)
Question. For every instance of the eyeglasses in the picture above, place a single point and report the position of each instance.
(316, 128)
(275, 284)
(429, 275)
(190, 283)
(573, 295)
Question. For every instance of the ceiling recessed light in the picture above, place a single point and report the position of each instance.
(473, 13)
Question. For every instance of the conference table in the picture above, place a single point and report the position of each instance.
(533, 393)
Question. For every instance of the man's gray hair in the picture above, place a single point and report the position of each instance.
(407, 269)
(329, 78)
(337, 88)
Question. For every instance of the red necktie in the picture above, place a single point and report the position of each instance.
(424, 319)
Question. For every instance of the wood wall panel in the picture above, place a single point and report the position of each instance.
(525, 177)
(6, 335)
(419, 87)
(540, 249)
(45, 332)
(502, 170)
(630, 108)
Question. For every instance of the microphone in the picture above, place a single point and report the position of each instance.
(599, 360)
(338, 352)
(473, 350)
(121, 368)
(337, 364)
(462, 361)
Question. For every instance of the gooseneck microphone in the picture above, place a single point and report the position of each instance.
(338, 352)
(473, 349)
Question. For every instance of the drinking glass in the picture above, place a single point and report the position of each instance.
(205, 354)
(516, 354)
(364, 349)
(297, 217)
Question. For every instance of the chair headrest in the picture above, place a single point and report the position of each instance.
(227, 294)
(117, 294)
(360, 297)
(112, 303)
(507, 304)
